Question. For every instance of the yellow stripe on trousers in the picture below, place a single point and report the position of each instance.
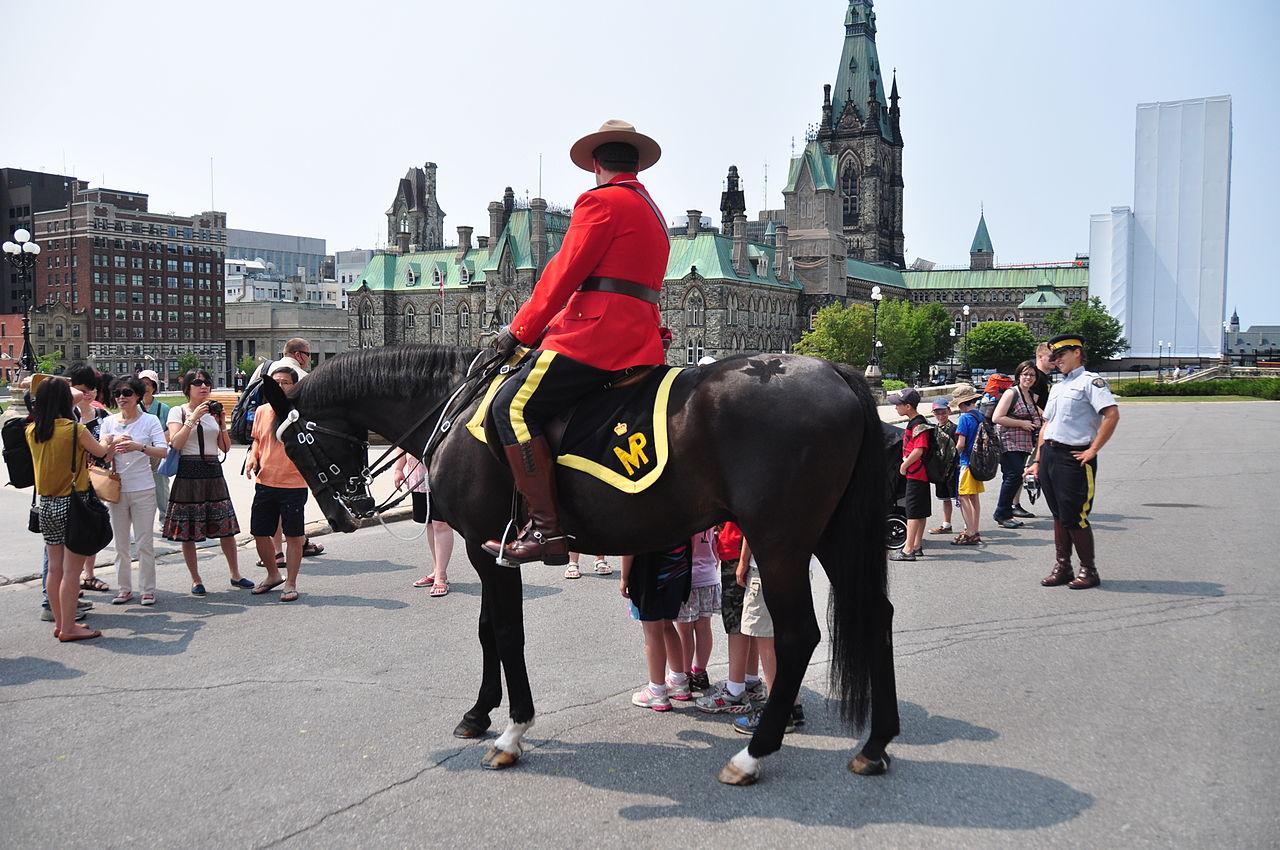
(1088, 497)
(526, 391)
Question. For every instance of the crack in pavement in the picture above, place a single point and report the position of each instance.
(358, 803)
(220, 685)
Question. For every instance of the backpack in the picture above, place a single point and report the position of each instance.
(729, 542)
(17, 452)
(942, 456)
(984, 457)
(242, 414)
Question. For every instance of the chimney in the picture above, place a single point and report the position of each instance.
(482, 242)
(695, 223)
(495, 222)
(538, 232)
(464, 240)
(740, 245)
(402, 242)
(781, 253)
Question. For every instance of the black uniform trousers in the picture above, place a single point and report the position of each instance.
(1068, 485)
(545, 384)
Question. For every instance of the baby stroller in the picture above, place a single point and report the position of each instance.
(895, 530)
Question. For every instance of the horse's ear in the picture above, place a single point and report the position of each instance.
(273, 395)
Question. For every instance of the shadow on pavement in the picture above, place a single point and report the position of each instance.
(331, 601)
(334, 567)
(149, 633)
(27, 669)
(1172, 588)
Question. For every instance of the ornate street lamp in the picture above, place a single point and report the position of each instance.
(951, 360)
(873, 368)
(964, 334)
(21, 254)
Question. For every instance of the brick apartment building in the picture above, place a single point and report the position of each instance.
(151, 284)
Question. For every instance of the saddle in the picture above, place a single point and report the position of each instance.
(618, 435)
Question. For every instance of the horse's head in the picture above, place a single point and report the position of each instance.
(331, 453)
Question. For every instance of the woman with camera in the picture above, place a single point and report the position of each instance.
(199, 503)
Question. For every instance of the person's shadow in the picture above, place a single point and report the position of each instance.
(926, 793)
(1162, 586)
(27, 669)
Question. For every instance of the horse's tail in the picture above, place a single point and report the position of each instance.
(852, 552)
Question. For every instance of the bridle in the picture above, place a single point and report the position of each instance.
(356, 493)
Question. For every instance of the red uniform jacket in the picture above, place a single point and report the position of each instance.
(613, 233)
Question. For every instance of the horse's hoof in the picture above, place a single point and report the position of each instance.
(731, 774)
(470, 729)
(864, 766)
(496, 759)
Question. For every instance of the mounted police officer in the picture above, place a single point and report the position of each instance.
(593, 312)
(1079, 420)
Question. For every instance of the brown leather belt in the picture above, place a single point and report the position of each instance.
(620, 287)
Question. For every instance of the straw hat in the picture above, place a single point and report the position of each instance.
(614, 130)
(965, 393)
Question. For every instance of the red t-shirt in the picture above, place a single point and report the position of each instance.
(911, 443)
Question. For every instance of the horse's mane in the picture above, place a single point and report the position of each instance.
(393, 370)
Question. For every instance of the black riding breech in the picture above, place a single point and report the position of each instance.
(546, 384)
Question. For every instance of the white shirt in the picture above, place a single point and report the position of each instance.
(208, 425)
(135, 467)
(288, 362)
(1075, 408)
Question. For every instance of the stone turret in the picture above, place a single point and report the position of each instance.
(538, 233)
(781, 252)
(732, 201)
(740, 264)
(496, 222)
(694, 223)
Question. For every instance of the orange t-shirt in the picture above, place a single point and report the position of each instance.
(274, 467)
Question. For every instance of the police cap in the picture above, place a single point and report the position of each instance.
(1064, 341)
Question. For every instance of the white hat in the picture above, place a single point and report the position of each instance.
(150, 375)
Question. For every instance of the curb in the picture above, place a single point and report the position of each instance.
(316, 528)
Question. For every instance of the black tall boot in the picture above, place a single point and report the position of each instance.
(1082, 538)
(1062, 550)
(542, 539)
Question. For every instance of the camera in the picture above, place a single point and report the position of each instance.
(1031, 486)
(215, 409)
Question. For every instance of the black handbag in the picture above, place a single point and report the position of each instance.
(88, 520)
(33, 519)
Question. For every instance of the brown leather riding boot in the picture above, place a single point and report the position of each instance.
(1062, 550)
(1082, 538)
(542, 539)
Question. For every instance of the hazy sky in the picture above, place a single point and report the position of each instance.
(312, 111)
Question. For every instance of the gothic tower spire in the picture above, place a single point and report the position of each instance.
(860, 66)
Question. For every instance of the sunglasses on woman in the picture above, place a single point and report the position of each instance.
(200, 382)
(124, 393)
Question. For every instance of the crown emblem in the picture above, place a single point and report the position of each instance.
(620, 428)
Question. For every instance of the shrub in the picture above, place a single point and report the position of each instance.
(892, 385)
(1265, 388)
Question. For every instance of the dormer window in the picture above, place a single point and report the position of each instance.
(464, 275)
(410, 278)
(436, 277)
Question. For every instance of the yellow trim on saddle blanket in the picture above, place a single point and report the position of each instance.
(630, 459)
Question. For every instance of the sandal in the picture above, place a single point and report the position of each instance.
(603, 568)
(265, 586)
(967, 540)
(289, 595)
(572, 571)
(440, 588)
(310, 550)
(426, 581)
(94, 584)
(945, 528)
(279, 561)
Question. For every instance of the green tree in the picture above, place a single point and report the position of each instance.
(999, 345)
(912, 337)
(1103, 335)
(47, 363)
(187, 361)
(840, 334)
(247, 364)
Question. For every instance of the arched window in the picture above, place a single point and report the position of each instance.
(366, 316)
(410, 279)
(437, 316)
(693, 351)
(464, 315)
(695, 307)
(463, 275)
(410, 318)
(404, 224)
(849, 192)
(507, 308)
(436, 277)
(731, 310)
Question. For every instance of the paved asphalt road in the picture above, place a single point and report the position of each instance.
(1140, 714)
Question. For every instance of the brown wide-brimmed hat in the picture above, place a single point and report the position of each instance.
(614, 130)
(965, 393)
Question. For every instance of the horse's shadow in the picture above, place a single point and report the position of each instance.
(927, 793)
(26, 669)
(137, 633)
(333, 567)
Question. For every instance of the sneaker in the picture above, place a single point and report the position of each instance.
(901, 556)
(718, 700)
(1009, 523)
(679, 691)
(197, 590)
(148, 599)
(646, 698)
(699, 681)
(46, 615)
(83, 605)
(1022, 513)
(747, 725)
(123, 597)
(756, 691)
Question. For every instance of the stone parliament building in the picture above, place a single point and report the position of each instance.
(745, 286)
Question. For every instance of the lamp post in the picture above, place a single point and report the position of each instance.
(1159, 360)
(21, 254)
(951, 360)
(873, 368)
(964, 334)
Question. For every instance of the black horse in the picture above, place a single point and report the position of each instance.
(788, 447)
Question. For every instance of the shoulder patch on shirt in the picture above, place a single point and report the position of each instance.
(1099, 382)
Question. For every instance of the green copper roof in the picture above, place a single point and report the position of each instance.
(859, 65)
(872, 273)
(981, 239)
(410, 272)
(821, 167)
(1044, 298)
(713, 256)
(518, 237)
(1065, 277)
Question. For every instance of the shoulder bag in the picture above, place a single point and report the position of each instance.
(105, 481)
(169, 466)
(88, 522)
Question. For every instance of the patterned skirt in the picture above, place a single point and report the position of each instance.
(53, 519)
(199, 503)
